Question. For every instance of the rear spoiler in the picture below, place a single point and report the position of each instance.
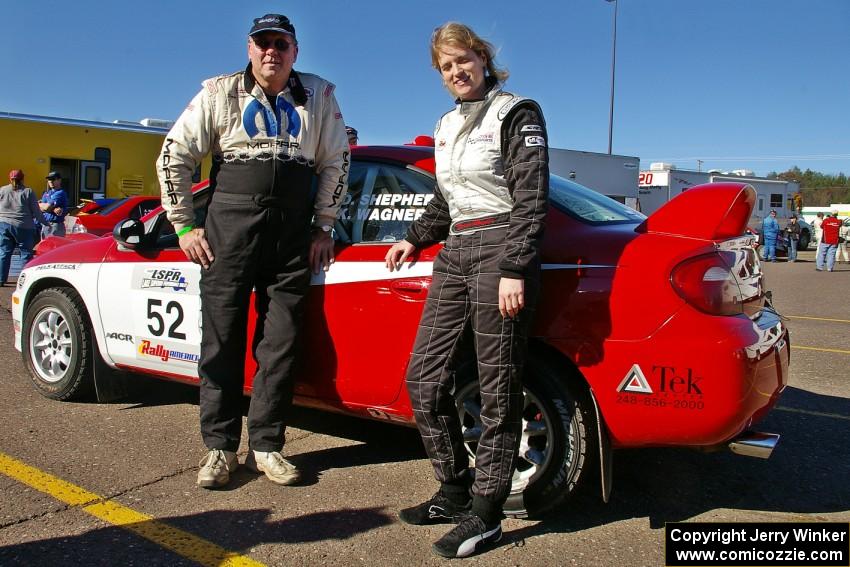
(714, 211)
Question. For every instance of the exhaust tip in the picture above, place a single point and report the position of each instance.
(754, 444)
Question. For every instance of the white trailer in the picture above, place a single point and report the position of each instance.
(613, 175)
(662, 182)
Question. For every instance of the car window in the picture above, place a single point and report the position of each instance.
(383, 200)
(106, 209)
(588, 205)
(144, 207)
(162, 228)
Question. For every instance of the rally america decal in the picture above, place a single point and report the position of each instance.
(670, 387)
(183, 355)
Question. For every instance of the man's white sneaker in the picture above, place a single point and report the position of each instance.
(216, 467)
(276, 468)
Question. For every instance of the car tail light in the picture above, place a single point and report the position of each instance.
(708, 284)
(78, 227)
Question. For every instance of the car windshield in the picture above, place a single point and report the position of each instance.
(110, 207)
(588, 205)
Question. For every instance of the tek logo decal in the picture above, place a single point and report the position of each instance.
(535, 141)
(635, 382)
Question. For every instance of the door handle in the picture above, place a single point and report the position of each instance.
(415, 289)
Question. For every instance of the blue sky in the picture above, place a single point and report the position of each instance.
(754, 84)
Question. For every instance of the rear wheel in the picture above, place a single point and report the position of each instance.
(805, 238)
(57, 345)
(558, 437)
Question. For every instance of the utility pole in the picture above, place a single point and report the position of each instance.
(699, 165)
(613, 67)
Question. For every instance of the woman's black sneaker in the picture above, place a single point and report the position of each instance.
(437, 510)
(471, 535)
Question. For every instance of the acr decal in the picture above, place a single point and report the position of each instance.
(508, 106)
(531, 128)
(635, 381)
(535, 141)
(120, 337)
(165, 353)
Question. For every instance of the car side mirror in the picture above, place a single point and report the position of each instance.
(130, 233)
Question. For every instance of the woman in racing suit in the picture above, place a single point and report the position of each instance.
(489, 206)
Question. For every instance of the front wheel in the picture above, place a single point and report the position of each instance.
(803, 243)
(57, 345)
(558, 437)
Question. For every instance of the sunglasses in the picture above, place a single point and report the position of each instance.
(279, 44)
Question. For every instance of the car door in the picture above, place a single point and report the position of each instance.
(362, 319)
(149, 302)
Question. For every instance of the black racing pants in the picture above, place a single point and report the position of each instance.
(260, 247)
(465, 291)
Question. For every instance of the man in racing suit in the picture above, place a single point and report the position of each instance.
(489, 206)
(270, 129)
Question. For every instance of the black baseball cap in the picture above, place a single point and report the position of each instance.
(273, 22)
(53, 175)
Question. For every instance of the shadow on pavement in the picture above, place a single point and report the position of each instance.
(807, 474)
(231, 531)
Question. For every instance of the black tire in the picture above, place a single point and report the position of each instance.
(57, 345)
(805, 239)
(558, 443)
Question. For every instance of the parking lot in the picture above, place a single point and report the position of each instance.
(115, 483)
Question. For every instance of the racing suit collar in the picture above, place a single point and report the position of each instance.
(296, 88)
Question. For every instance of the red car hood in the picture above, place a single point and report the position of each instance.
(54, 242)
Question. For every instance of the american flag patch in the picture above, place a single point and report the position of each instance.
(338, 115)
(328, 90)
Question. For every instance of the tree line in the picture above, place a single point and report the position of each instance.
(818, 189)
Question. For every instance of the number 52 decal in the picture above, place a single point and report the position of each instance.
(156, 324)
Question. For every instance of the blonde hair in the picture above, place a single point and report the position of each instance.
(460, 35)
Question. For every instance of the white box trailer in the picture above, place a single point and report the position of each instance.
(661, 182)
(613, 175)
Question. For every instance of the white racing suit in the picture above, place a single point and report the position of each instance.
(265, 151)
(490, 203)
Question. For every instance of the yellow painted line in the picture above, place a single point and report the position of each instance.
(838, 350)
(810, 412)
(181, 542)
(818, 319)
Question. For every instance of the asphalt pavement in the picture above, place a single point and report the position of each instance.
(98, 484)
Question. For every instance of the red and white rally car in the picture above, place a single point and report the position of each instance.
(651, 331)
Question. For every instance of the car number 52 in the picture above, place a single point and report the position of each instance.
(157, 322)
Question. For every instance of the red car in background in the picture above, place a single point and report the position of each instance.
(650, 332)
(103, 219)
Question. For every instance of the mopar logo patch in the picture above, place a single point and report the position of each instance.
(271, 122)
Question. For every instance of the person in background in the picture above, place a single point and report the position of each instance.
(19, 212)
(817, 226)
(792, 233)
(54, 205)
(829, 244)
(843, 236)
(352, 135)
(492, 169)
(271, 131)
(770, 231)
